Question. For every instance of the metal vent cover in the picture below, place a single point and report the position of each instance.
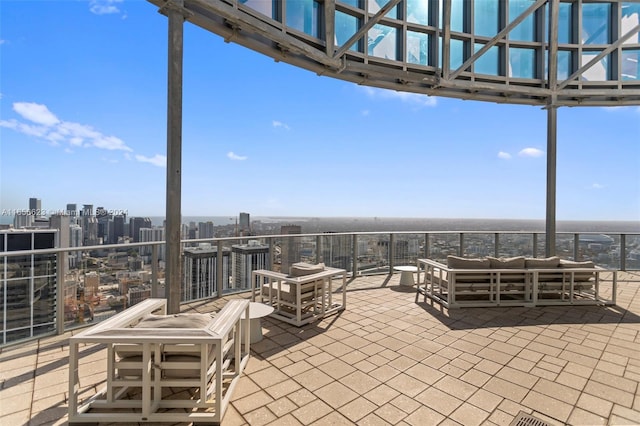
(524, 419)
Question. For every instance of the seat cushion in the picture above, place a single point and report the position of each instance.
(175, 321)
(542, 263)
(579, 276)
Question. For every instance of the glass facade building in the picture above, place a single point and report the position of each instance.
(27, 285)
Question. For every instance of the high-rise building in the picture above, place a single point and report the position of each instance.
(117, 230)
(290, 247)
(206, 230)
(89, 225)
(247, 258)
(245, 224)
(199, 278)
(152, 234)
(35, 206)
(135, 224)
(27, 285)
(62, 224)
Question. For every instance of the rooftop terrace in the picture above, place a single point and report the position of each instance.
(388, 359)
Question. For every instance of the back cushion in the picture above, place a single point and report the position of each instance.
(456, 262)
(506, 263)
(301, 269)
(544, 263)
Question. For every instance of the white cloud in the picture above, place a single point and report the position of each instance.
(104, 7)
(277, 123)
(234, 156)
(55, 131)
(37, 113)
(2, 41)
(365, 112)
(407, 97)
(504, 155)
(156, 160)
(531, 152)
(597, 186)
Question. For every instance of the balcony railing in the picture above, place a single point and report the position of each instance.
(53, 290)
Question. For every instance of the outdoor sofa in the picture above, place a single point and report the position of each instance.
(162, 368)
(515, 281)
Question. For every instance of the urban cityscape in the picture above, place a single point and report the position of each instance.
(116, 260)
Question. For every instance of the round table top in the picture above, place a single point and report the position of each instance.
(406, 268)
(258, 310)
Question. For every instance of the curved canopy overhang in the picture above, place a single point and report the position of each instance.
(573, 53)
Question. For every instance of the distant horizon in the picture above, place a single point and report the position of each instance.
(441, 223)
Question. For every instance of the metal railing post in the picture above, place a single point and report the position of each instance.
(392, 252)
(576, 247)
(461, 248)
(496, 244)
(60, 261)
(154, 270)
(354, 255)
(623, 252)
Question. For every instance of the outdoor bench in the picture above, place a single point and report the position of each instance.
(516, 281)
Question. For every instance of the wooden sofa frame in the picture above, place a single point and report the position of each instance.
(299, 300)
(458, 287)
(213, 355)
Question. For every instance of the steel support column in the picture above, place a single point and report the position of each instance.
(550, 244)
(173, 272)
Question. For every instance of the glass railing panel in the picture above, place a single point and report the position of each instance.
(373, 253)
(478, 245)
(602, 249)
(632, 252)
(443, 245)
(517, 244)
(336, 251)
(407, 248)
(565, 246)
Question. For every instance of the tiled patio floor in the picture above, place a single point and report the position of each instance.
(388, 360)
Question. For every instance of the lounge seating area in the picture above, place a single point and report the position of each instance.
(150, 354)
(516, 281)
(303, 296)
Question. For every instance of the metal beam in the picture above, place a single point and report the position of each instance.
(329, 26)
(497, 38)
(446, 39)
(601, 55)
(366, 27)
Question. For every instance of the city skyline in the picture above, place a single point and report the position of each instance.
(83, 120)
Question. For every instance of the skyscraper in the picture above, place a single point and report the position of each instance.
(245, 259)
(245, 224)
(28, 285)
(289, 250)
(199, 272)
(135, 223)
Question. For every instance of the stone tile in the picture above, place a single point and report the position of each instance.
(259, 417)
(424, 416)
(281, 389)
(456, 387)
(282, 406)
(252, 402)
(609, 393)
(439, 400)
(311, 412)
(506, 389)
(406, 384)
(547, 405)
(336, 394)
(557, 391)
(581, 417)
(357, 409)
(469, 415)
(389, 413)
(485, 400)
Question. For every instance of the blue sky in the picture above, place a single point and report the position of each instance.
(83, 120)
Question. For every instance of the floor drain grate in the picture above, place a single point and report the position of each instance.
(524, 419)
